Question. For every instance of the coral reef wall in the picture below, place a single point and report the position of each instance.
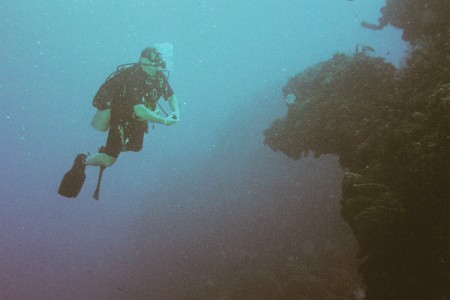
(417, 18)
(390, 128)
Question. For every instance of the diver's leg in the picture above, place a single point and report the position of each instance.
(100, 159)
(107, 155)
(101, 119)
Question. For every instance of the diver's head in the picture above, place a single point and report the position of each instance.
(151, 61)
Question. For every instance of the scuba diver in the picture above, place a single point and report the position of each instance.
(125, 103)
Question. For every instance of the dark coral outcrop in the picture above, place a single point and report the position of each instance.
(391, 130)
(417, 18)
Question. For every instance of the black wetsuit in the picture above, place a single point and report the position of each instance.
(121, 93)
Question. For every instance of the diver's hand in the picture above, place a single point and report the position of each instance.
(176, 115)
(170, 120)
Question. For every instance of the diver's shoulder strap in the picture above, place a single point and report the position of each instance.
(123, 70)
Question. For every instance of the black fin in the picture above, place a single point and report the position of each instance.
(96, 196)
(97, 189)
(74, 179)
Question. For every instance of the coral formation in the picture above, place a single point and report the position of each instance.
(390, 128)
(417, 18)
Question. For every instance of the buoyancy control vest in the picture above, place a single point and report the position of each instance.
(114, 86)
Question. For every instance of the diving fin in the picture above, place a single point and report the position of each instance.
(96, 196)
(73, 180)
(97, 189)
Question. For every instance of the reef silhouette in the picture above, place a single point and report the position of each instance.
(417, 18)
(390, 128)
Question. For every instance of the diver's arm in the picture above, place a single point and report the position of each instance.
(146, 114)
(174, 105)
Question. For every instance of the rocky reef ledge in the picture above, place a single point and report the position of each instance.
(390, 128)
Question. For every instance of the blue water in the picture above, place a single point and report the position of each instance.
(201, 193)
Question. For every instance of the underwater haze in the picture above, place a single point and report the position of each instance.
(205, 210)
